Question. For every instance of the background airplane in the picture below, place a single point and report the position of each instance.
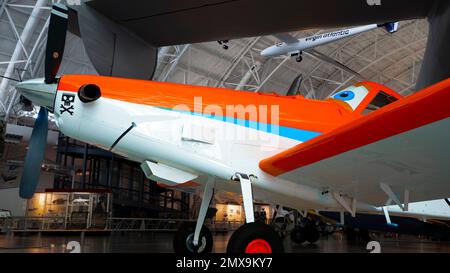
(352, 152)
(294, 47)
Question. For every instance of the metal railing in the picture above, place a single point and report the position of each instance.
(32, 223)
(48, 224)
(158, 224)
(144, 224)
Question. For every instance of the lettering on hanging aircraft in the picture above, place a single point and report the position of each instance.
(67, 104)
(328, 35)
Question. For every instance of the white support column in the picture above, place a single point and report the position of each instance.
(3, 7)
(206, 201)
(246, 78)
(163, 51)
(342, 216)
(173, 65)
(27, 33)
(271, 73)
(236, 61)
(406, 200)
(37, 48)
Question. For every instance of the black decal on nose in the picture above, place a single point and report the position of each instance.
(67, 104)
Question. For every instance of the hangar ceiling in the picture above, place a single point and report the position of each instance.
(390, 59)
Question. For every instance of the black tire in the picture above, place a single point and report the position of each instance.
(249, 234)
(182, 241)
(299, 59)
(298, 235)
(312, 234)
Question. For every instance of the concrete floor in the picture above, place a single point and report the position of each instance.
(162, 242)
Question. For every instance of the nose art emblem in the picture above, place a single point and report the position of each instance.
(67, 104)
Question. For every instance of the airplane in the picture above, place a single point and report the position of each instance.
(356, 150)
(295, 47)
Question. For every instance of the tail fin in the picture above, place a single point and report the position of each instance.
(390, 27)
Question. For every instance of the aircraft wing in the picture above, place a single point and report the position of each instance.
(171, 22)
(325, 58)
(286, 38)
(404, 145)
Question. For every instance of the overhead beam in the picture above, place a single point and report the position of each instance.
(27, 33)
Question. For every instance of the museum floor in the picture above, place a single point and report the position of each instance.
(162, 242)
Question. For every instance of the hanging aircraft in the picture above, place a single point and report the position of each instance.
(295, 47)
(361, 147)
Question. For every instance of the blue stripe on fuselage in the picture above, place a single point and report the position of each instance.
(288, 132)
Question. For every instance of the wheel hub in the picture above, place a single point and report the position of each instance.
(258, 246)
(193, 248)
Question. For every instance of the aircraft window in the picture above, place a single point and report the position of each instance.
(382, 99)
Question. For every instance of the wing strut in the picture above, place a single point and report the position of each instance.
(393, 197)
(208, 195)
(351, 208)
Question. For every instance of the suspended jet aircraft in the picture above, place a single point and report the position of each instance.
(296, 47)
(355, 150)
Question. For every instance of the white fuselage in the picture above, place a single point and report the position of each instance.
(195, 144)
(169, 137)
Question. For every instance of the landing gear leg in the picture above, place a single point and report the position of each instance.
(247, 197)
(298, 57)
(196, 238)
(206, 201)
(253, 237)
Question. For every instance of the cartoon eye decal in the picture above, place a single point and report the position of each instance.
(345, 95)
(352, 96)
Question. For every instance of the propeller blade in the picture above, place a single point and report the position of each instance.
(295, 86)
(35, 155)
(56, 41)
